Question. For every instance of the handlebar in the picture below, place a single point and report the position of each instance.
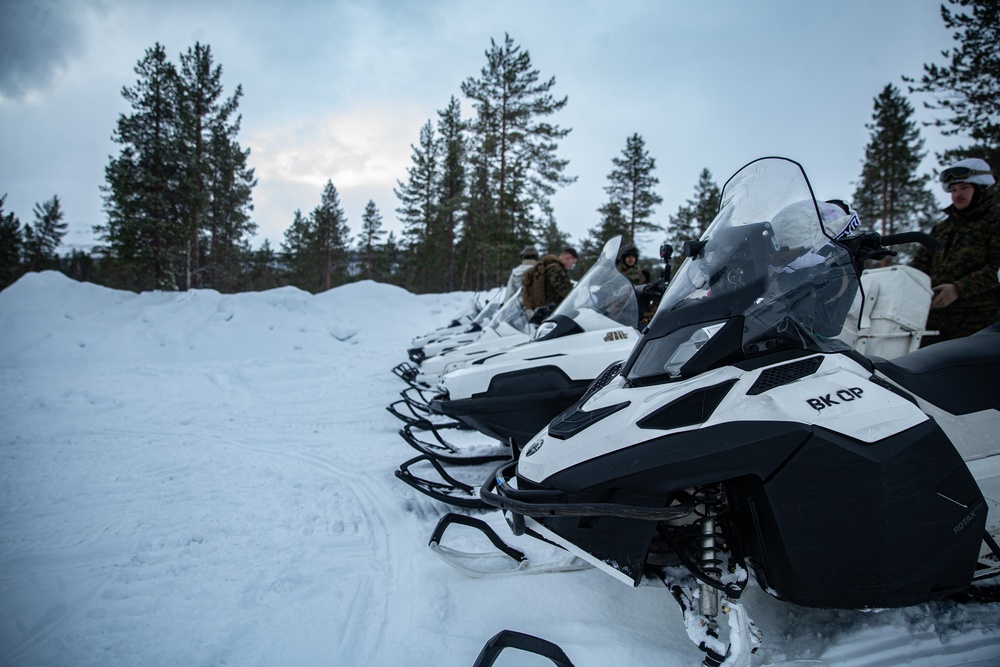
(923, 239)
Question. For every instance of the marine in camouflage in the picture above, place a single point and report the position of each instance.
(969, 258)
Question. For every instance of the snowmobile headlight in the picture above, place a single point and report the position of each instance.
(543, 330)
(661, 358)
(688, 348)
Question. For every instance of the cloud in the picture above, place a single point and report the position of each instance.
(363, 151)
(38, 39)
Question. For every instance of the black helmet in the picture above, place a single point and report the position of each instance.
(630, 249)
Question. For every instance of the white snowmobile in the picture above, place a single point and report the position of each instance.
(467, 327)
(510, 394)
(743, 436)
(507, 328)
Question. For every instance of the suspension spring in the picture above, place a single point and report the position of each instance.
(710, 544)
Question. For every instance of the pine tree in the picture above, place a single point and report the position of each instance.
(891, 196)
(178, 194)
(11, 243)
(143, 233)
(217, 184)
(418, 211)
(968, 86)
(452, 190)
(368, 241)
(517, 146)
(631, 191)
(693, 218)
(43, 237)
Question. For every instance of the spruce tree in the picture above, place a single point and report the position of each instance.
(368, 241)
(967, 87)
(298, 253)
(517, 146)
(265, 272)
(891, 196)
(11, 242)
(330, 237)
(632, 189)
(43, 237)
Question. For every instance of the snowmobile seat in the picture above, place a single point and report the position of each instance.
(957, 375)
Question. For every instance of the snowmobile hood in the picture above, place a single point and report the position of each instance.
(768, 274)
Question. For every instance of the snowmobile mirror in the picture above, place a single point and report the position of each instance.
(522, 651)
(693, 248)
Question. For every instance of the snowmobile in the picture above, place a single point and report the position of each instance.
(510, 394)
(743, 437)
(507, 328)
(465, 328)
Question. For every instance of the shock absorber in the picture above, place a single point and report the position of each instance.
(708, 557)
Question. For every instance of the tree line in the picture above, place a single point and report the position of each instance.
(178, 196)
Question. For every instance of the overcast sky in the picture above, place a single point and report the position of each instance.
(338, 90)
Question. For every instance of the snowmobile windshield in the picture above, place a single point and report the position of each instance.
(487, 312)
(604, 298)
(511, 318)
(767, 274)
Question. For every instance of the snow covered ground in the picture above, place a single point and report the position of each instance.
(202, 479)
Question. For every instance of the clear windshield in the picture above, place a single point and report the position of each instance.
(767, 265)
(604, 297)
(511, 317)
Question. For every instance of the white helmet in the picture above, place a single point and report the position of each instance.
(796, 225)
(970, 170)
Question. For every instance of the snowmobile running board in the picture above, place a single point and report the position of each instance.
(465, 560)
(451, 491)
(443, 451)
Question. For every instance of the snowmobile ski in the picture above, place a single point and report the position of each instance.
(504, 560)
(440, 449)
(449, 490)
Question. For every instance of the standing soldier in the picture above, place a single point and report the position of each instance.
(964, 272)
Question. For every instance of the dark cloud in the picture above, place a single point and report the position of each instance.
(37, 38)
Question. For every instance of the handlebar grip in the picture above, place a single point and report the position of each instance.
(923, 239)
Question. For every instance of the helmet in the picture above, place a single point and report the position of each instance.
(970, 170)
(529, 252)
(630, 249)
(796, 223)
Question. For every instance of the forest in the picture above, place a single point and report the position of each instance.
(178, 196)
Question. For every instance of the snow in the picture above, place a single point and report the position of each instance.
(205, 479)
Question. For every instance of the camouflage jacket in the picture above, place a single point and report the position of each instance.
(557, 282)
(635, 274)
(969, 258)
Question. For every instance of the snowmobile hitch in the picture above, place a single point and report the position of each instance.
(518, 640)
(451, 491)
(545, 503)
(445, 452)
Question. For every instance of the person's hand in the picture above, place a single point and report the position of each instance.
(944, 295)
